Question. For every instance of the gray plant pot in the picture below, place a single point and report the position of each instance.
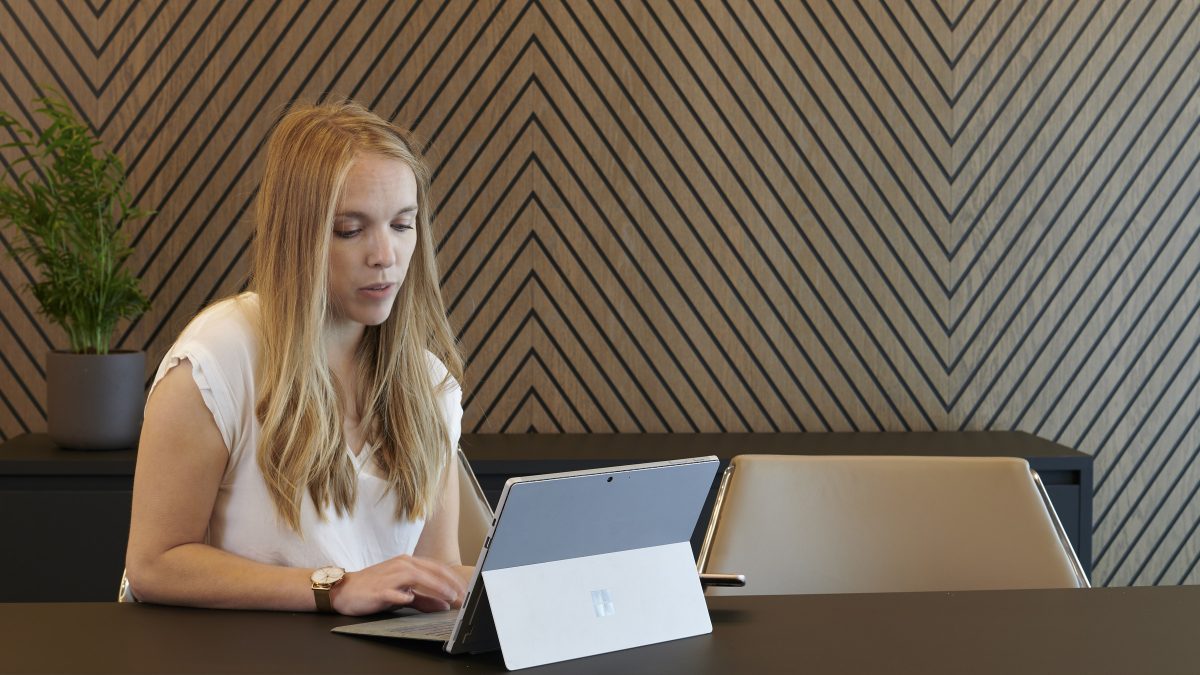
(95, 401)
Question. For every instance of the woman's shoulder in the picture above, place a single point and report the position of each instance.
(449, 396)
(221, 345)
(227, 328)
(438, 372)
(437, 367)
(234, 318)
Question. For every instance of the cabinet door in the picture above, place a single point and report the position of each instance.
(69, 544)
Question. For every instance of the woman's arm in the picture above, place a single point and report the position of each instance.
(439, 539)
(181, 458)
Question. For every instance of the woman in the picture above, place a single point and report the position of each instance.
(297, 445)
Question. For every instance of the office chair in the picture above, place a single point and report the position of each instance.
(862, 524)
(474, 520)
(474, 512)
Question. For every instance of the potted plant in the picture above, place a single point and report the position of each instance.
(67, 199)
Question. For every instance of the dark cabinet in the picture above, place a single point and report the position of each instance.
(66, 518)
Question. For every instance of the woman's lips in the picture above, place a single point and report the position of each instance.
(377, 291)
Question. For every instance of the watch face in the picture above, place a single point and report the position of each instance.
(328, 575)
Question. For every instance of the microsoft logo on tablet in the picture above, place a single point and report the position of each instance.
(602, 603)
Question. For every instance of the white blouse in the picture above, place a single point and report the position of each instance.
(221, 344)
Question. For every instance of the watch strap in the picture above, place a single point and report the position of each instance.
(322, 597)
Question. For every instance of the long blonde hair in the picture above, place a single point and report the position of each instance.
(302, 444)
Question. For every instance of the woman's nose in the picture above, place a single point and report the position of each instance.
(381, 254)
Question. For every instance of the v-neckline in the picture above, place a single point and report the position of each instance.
(359, 460)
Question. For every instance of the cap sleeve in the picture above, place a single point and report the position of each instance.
(220, 344)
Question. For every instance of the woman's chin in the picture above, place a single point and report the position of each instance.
(374, 319)
(362, 318)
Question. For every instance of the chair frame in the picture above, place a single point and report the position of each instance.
(480, 496)
(714, 521)
(711, 531)
(1063, 539)
(475, 486)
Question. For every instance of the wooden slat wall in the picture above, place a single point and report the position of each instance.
(723, 215)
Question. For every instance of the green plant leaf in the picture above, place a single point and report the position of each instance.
(69, 207)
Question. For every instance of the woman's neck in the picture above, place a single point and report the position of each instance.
(342, 338)
(341, 348)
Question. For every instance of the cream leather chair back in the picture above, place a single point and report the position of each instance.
(861, 524)
(474, 512)
(474, 521)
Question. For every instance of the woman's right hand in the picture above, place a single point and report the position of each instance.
(403, 581)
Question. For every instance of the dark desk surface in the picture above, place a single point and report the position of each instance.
(1104, 630)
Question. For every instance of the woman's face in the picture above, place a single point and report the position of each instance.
(374, 235)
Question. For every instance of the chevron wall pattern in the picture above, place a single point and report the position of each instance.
(725, 215)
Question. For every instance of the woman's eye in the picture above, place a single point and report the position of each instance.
(346, 234)
(402, 227)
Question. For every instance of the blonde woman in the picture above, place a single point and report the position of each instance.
(298, 439)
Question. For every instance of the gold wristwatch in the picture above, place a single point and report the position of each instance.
(324, 579)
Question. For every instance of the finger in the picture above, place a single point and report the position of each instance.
(431, 578)
(435, 588)
(448, 574)
(428, 604)
(399, 596)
